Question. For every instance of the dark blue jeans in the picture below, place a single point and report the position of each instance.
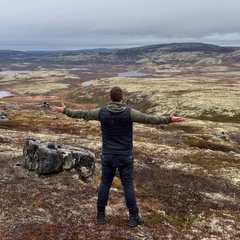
(124, 164)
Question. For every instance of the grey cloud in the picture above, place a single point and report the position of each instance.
(73, 23)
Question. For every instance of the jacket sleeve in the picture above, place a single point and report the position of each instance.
(140, 117)
(84, 114)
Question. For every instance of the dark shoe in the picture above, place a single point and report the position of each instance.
(134, 221)
(101, 218)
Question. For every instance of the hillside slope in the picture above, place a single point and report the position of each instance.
(187, 175)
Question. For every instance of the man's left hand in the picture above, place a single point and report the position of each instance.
(176, 119)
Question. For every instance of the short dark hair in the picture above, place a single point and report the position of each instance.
(116, 94)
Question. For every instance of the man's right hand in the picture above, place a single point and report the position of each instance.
(58, 109)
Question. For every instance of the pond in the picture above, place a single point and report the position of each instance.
(131, 74)
(4, 94)
(88, 83)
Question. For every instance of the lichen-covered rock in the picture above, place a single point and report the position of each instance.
(3, 116)
(43, 105)
(51, 157)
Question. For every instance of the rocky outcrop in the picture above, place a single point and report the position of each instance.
(3, 116)
(12, 107)
(51, 157)
(43, 105)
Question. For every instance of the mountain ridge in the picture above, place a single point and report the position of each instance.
(185, 46)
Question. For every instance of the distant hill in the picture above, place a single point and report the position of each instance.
(152, 54)
(172, 47)
(176, 47)
(12, 56)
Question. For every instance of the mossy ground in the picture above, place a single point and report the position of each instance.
(186, 174)
(179, 189)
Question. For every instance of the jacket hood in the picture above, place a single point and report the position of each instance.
(116, 107)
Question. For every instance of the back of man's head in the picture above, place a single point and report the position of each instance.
(116, 94)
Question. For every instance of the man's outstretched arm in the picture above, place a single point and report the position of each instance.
(140, 117)
(84, 114)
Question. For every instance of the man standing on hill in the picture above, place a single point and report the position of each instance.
(117, 147)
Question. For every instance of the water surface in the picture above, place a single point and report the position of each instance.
(87, 83)
(4, 94)
(131, 74)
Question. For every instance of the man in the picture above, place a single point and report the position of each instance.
(117, 147)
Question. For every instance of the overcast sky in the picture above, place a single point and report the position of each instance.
(81, 24)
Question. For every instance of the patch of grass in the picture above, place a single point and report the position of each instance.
(143, 106)
(203, 144)
(210, 163)
(3, 140)
(36, 120)
(163, 186)
(220, 118)
(90, 95)
(155, 218)
(235, 137)
(180, 194)
(186, 128)
(182, 221)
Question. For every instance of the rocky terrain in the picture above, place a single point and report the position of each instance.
(187, 175)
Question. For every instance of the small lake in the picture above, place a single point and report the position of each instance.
(131, 74)
(12, 72)
(4, 94)
(88, 83)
